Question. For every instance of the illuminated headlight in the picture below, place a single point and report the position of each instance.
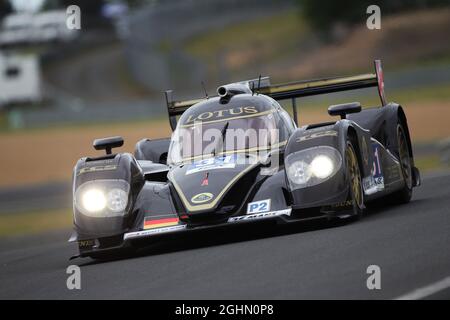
(102, 198)
(312, 166)
(93, 200)
(322, 166)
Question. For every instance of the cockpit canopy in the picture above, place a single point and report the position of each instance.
(243, 123)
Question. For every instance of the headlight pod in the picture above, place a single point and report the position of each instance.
(312, 166)
(102, 198)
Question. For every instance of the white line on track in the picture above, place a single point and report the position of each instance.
(426, 291)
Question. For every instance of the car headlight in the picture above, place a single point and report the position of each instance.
(312, 166)
(299, 172)
(102, 198)
(322, 166)
(117, 200)
(93, 200)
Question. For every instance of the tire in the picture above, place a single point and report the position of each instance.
(355, 181)
(403, 195)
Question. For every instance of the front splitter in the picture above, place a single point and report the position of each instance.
(184, 227)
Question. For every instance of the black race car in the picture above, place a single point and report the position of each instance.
(239, 157)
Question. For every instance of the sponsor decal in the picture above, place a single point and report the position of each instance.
(343, 204)
(328, 133)
(369, 185)
(221, 114)
(144, 233)
(202, 197)
(97, 169)
(258, 206)
(263, 215)
(86, 243)
(379, 182)
(151, 223)
(222, 162)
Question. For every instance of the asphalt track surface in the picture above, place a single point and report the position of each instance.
(410, 243)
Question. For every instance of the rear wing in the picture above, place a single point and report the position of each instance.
(294, 90)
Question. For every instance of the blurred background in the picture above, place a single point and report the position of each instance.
(62, 88)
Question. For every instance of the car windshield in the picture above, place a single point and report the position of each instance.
(210, 138)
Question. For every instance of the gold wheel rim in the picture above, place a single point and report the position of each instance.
(355, 177)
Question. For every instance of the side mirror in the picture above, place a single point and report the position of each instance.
(108, 143)
(344, 108)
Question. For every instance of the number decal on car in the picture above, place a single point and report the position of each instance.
(258, 206)
(377, 172)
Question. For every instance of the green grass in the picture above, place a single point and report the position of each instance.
(3, 120)
(14, 224)
(264, 39)
(275, 29)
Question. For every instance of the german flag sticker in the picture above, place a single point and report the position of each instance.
(152, 223)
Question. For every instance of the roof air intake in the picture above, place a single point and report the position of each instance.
(233, 89)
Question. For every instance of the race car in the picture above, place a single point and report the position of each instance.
(239, 157)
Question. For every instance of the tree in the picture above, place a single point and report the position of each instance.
(5, 8)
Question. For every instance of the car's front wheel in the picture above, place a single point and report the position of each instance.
(356, 195)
